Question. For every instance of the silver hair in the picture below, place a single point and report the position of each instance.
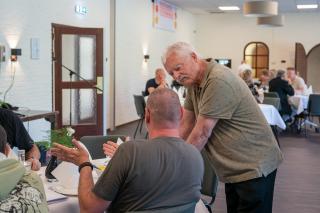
(180, 47)
(281, 73)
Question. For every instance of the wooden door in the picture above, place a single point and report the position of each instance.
(78, 72)
(301, 61)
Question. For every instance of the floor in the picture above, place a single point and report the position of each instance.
(297, 186)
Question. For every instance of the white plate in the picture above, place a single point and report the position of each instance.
(66, 191)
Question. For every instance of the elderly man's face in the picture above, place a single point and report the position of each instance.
(161, 75)
(291, 74)
(183, 69)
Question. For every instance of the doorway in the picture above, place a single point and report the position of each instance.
(313, 68)
(78, 77)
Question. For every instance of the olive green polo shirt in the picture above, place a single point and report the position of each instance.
(242, 145)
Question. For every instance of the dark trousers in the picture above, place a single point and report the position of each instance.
(251, 196)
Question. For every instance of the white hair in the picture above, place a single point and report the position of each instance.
(182, 48)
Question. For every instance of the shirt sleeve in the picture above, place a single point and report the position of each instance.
(109, 183)
(219, 100)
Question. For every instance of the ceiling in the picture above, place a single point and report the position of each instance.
(211, 6)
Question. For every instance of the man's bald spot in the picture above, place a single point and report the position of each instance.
(164, 106)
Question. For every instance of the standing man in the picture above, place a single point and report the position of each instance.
(298, 84)
(159, 173)
(158, 82)
(222, 117)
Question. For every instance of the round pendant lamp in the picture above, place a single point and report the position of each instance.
(260, 8)
(271, 21)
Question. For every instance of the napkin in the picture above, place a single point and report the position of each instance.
(67, 174)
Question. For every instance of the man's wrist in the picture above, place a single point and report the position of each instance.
(85, 164)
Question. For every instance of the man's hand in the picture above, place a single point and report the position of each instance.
(35, 164)
(77, 155)
(110, 148)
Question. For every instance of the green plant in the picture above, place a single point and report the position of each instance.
(61, 136)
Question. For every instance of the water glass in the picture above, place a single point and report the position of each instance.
(22, 155)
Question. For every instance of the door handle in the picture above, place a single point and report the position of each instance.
(99, 84)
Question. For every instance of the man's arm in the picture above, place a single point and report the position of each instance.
(33, 155)
(88, 201)
(151, 89)
(201, 131)
(187, 124)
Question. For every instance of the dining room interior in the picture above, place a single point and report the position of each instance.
(79, 64)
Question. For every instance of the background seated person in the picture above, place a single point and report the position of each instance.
(20, 191)
(247, 77)
(158, 173)
(284, 89)
(158, 82)
(19, 137)
(298, 84)
(264, 79)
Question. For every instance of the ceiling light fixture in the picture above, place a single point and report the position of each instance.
(307, 6)
(271, 21)
(229, 8)
(260, 8)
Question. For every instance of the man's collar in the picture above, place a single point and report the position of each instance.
(206, 73)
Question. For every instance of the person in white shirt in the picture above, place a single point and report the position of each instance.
(242, 67)
(298, 84)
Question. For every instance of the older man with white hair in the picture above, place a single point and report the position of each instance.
(222, 117)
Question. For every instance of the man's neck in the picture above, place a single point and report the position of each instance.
(203, 67)
(163, 133)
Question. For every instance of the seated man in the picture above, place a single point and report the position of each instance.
(161, 172)
(19, 191)
(298, 84)
(264, 79)
(282, 87)
(158, 82)
(19, 137)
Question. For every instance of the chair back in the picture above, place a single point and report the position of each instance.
(271, 94)
(186, 208)
(272, 101)
(314, 105)
(140, 104)
(210, 180)
(95, 143)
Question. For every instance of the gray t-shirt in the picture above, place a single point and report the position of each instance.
(241, 146)
(145, 175)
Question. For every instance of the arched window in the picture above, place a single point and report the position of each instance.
(257, 55)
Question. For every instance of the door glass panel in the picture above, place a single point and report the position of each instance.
(262, 61)
(78, 54)
(251, 60)
(262, 49)
(83, 106)
(251, 49)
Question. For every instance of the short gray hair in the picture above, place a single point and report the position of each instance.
(164, 106)
(180, 47)
(281, 73)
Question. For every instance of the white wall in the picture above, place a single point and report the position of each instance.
(225, 36)
(22, 20)
(134, 35)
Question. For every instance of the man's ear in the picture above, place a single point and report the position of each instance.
(181, 112)
(194, 56)
(7, 150)
(147, 115)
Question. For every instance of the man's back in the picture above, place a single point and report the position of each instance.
(144, 175)
(283, 89)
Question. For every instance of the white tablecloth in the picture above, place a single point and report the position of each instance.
(272, 115)
(299, 102)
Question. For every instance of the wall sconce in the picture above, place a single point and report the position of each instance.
(14, 54)
(146, 58)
